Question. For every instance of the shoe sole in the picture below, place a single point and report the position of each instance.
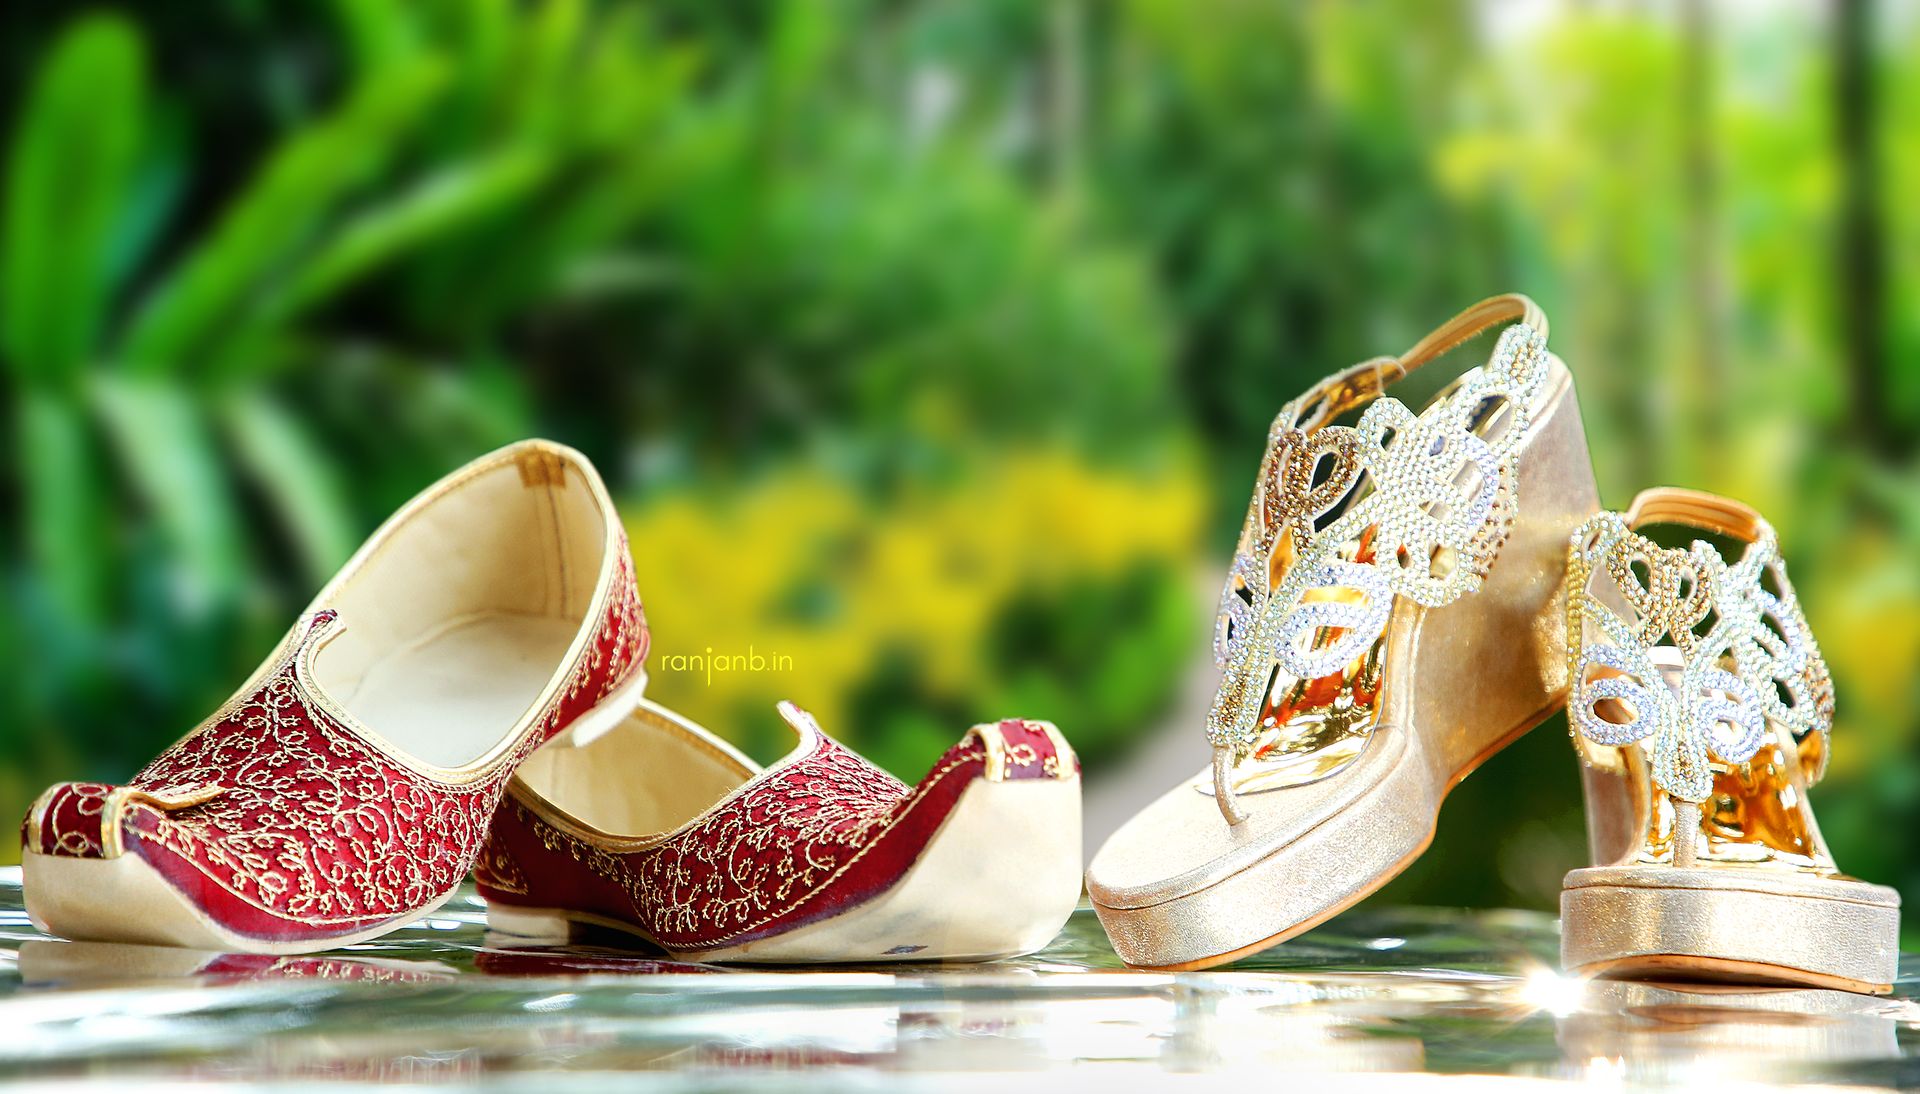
(1315, 851)
(123, 899)
(1725, 923)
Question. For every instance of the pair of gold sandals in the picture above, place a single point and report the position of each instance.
(1411, 593)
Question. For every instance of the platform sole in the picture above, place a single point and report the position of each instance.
(1373, 839)
(1730, 924)
(1463, 681)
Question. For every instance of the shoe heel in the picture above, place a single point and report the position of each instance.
(545, 924)
(1493, 665)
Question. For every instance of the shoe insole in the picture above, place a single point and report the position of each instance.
(449, 698)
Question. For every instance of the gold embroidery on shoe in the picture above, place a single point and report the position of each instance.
(497, 869)
(332, 829)
(760, 854)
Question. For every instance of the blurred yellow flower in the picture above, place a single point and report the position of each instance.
(1867, 621)
(801, 565)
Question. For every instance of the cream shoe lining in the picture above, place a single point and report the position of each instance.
(451, 630)
(644, 776)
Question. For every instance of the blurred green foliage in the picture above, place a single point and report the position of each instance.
(1002, 292)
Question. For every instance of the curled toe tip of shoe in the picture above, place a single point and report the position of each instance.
(87, 820)
(1022, 748)
(157, 898)
(78, 879)
(69, 820)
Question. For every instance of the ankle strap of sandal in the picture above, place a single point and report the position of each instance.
(1347, 389)
(1695, 509)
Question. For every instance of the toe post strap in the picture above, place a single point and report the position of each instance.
(1223, 792)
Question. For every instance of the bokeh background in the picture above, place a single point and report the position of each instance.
(930, 344)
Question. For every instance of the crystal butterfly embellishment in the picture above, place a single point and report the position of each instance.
(1286, 503)
(1693, 656)
(1344, 519)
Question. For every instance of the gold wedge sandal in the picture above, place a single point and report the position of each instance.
(1702, 709)
(1393, 617)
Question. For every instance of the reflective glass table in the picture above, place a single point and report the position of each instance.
(1379, 998)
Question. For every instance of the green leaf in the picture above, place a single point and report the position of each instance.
(166, 451)
(380, 34)
(799, 49)
(281, 211)
(439, 205)
(66, 532)
(296, 477)
(153, 196)
(547, 69)
(626, 157)
(479, 37)
(73, 158)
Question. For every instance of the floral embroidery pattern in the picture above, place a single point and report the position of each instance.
(312, 822)
(70, 820)
(770, 849)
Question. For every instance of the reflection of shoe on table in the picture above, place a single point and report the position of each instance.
(100, 964)
(1313, 1024)
(656, 827)
(506, 955)
(1726, 1029)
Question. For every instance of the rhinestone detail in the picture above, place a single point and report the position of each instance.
(1429, 493)
(1741, 657)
